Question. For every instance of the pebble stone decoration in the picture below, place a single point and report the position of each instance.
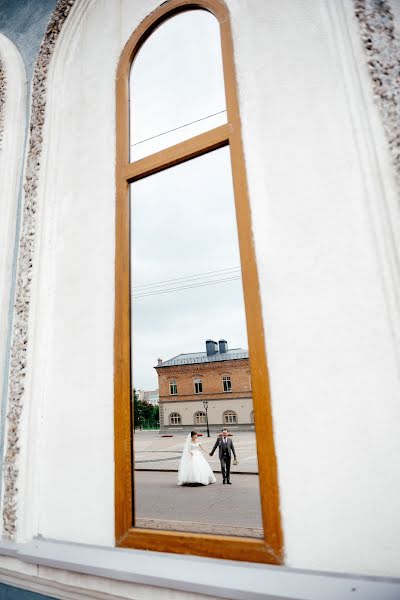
(382, 48)
(3, 85)
(377, 32)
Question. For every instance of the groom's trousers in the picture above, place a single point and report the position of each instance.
(226, 466)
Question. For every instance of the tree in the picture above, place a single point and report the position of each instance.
(137, 411)
(145, 415)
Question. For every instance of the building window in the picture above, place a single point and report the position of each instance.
(198, 386)
(227, 383)
(175, 419)
(199, 418)
(229, 417)
(188, 141)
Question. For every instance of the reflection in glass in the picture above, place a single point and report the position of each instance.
(176, 83)
(189, 350)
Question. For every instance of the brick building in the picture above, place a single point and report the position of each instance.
(219, 376)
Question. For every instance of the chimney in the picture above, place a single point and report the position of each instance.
(223, 346)
(159, 362)
(211, 347)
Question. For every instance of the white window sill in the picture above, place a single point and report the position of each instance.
(218, 578)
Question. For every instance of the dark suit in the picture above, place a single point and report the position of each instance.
(225, 452)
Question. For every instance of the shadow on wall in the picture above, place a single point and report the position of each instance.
(24, 22)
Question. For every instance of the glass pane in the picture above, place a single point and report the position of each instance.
(188, 323)
(176, 83)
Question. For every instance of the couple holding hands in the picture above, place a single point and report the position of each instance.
(194, 468)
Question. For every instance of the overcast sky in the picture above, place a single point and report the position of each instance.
(183, 219)
(176, 78)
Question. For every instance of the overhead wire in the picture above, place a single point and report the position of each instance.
(218, 272)
(146, 289)
(153, 137)
(185, 287)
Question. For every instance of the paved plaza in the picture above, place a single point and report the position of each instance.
(154, 452)
(220, 509)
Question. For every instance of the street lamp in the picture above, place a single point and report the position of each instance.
(205, 404)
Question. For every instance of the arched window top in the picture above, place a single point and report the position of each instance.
(175, 418)
(199, 417)
(229, 417)
(177, 93)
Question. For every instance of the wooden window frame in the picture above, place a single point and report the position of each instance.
(270, 548)
(173, 385)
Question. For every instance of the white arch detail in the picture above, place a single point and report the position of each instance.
(18, 456)
(12, 131)
(73, 263)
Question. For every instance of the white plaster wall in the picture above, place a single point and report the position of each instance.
(241, 406)
(67, 585)
(11, 157)
(316, 202)
(319, 188)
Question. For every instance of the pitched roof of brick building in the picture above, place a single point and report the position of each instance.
(201, 357)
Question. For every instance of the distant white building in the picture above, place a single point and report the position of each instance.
(150, 396)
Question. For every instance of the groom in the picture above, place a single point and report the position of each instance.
(226, 449)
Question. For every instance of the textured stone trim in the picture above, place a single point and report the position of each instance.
(25, 264)
(383, 58)
(3, 87)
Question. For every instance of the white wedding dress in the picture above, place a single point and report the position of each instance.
(193, 467)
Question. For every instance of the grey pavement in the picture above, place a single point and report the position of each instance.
(152, 451)
(226, 509)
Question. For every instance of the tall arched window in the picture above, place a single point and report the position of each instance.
(173, 388)
(160, 131)
(198, 385)
(227, 383)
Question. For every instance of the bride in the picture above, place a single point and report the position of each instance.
(193, 467)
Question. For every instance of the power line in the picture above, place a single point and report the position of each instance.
(179, 127)
(187, 277)
(185, 287)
